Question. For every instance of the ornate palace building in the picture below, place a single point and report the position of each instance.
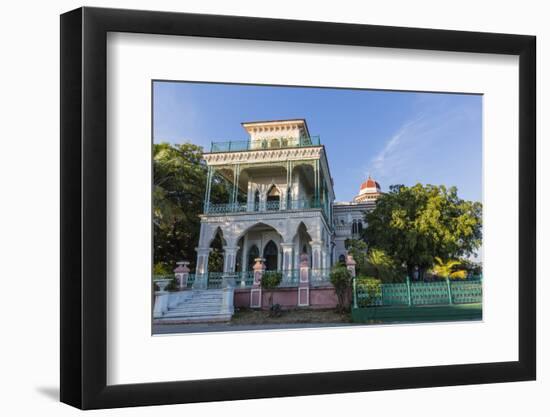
(280, 204)
(278, 214)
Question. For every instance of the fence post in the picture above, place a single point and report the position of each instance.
(409, 291)
(354, 293)
(182, 274)
(449, 291)
(350, 265)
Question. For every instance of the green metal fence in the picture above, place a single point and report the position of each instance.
(464, 292)
(368, 293)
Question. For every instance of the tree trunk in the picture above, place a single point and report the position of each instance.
(421, 273)
(410, 271)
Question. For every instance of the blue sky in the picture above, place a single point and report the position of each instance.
(396, 137)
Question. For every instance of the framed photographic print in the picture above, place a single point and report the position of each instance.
(257, 208)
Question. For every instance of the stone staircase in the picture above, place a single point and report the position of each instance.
(198, 306)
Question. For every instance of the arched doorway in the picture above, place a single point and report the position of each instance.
(215, 259)
(301, 240)
(271, 254)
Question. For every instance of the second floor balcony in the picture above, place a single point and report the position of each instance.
(268, 206)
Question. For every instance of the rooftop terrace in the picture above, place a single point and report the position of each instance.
(265, 143)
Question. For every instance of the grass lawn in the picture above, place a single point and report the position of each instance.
(243, 317)
(426, 313)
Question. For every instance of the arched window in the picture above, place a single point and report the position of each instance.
(270, 256)
(273, 198)
(359, 227)
(354, 228)
(253, 253)
(342, 259)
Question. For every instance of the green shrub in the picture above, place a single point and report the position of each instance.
(341, 278)
(161, 269)
(271, 280)
(371, 288)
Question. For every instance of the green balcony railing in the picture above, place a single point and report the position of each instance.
(301, 204)
(272, 205)
(226, 208)
(267, 143)
(245, 279)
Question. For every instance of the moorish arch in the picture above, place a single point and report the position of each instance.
(258, 240)
(253, 253)
(273, 198)
(271, 256)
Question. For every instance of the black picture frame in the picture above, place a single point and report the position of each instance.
(84, 207)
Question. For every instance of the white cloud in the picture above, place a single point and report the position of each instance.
(418, 150)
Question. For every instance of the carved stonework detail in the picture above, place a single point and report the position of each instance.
(264, 155)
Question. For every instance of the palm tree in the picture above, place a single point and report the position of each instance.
(452, 268)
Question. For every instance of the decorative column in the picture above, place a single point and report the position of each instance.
(287, 261)
(182, 274)
(201, 276)
(303, 285)
(229, 259)
(282, 198)
(235, 191)
(209, 176)
(263, 199)
(288, 201)
(316, 181)
(250, 197)
(256, 291)
(316, 255)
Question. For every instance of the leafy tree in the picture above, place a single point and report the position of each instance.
(215, 259)
(474, 268)
(358, 249)
(383, 267)
(340, 277)
(179, 182)
(413, 225)
(453, 268)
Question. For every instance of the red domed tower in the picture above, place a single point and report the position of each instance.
(369, 191)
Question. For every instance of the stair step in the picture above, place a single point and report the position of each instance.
(198, 306)
(195, 315)
(183, 310)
